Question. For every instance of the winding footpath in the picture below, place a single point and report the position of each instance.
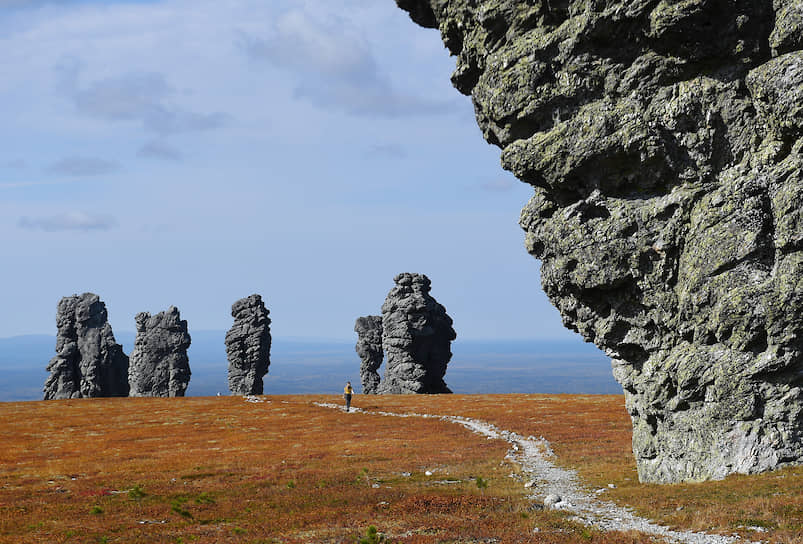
(532, 455)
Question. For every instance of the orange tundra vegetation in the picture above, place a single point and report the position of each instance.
(221, 469)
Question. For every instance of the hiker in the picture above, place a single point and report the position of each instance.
(347, 392)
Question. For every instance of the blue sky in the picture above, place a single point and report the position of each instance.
(192, 152)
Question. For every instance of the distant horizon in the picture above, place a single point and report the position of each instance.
(559, 339)
(304, 365)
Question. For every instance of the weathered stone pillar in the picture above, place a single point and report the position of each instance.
(90, 363)
(416, 336)
(159, 364)
(369, 348)
(248, 346)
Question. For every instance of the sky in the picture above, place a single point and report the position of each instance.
(193, 152)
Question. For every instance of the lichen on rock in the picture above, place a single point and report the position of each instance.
(663, 142)
(248, 346)
(89, 362)
(417, 335)
(369, 349)
(159, 366)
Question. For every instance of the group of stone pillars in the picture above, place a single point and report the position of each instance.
(414, 331)
(90, 363)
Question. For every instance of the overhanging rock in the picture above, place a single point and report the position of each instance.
(662, 140)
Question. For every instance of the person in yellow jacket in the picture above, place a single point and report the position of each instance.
(347, 392)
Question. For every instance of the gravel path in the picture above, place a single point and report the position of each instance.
(547, 480)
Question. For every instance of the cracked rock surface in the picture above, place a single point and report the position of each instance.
(248, 346)
(89, 362)
(417, 336)
(662, 141)
(159, 365)
(369, 348)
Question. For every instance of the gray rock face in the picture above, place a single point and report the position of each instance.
(663, 143)
(159, 365)
(248, 346)
(89, 362)
(369, 348)
(416, 336)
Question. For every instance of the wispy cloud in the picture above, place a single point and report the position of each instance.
(335, 68)
(25, 184)
(158, 228)
(21, 3)
(70, 221)
(144, 97)
(83, 166)
(34, 3)
(386, 151)
(159, 150)
(15, 163)
(497, 185)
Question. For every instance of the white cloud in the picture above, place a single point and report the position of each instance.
(69, 221)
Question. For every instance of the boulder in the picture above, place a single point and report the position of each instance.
(159, 365)
(417, 335)
(248, 346)
(89, 362)
(662, 140)
(552, 500)
(369, 348)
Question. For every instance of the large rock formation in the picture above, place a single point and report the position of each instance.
(248, 346)
(90, 363)
(369, 348)
(662, 139)
(416, 336)
(159, 364)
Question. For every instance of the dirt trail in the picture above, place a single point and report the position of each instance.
(545, 478)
